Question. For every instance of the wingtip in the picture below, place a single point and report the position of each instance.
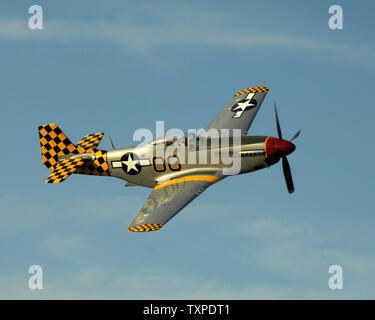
(145, 227)
(254, 89)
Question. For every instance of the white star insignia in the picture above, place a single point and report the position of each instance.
(130, 164)
(242, 106)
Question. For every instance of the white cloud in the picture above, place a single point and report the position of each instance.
(98, 283)
(297, 253)
(303, 252)
(67, 247)
(21, 213)
(144, 38)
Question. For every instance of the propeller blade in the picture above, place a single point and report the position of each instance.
(296, 135)
(278, 124)
(288, 175)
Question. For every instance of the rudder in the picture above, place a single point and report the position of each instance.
(53, 143)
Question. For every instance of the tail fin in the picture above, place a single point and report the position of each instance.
(63, 158)
(54, 143)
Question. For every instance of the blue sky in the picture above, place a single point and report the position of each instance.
(117, 66)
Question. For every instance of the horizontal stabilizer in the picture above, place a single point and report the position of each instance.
(91, 141)
(64, 168)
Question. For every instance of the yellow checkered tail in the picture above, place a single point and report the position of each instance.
(63, 158)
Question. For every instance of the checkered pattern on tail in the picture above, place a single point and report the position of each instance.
(53, 143)
(91, 140)
(64, 168)
(98, 167)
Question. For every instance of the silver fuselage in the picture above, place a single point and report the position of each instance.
(158, 163)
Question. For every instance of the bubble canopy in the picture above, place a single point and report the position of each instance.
(170, 138)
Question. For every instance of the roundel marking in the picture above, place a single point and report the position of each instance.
(243, 105)
(130, 163)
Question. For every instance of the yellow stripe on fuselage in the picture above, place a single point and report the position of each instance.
(208, 178)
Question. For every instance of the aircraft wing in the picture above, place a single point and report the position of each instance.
(167, 199)
(240, 112)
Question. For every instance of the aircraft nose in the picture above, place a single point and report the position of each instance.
(283, 147)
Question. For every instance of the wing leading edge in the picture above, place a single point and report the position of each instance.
(169, 198)
(240, 112)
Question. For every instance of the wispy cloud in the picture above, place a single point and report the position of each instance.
(297, 252)
(20, 213)
(99, 283)
(304, 251)
(146, 37)
(67, 247)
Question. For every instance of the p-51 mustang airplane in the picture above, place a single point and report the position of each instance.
(174, 184)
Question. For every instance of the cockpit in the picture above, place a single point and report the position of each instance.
(180, 140)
